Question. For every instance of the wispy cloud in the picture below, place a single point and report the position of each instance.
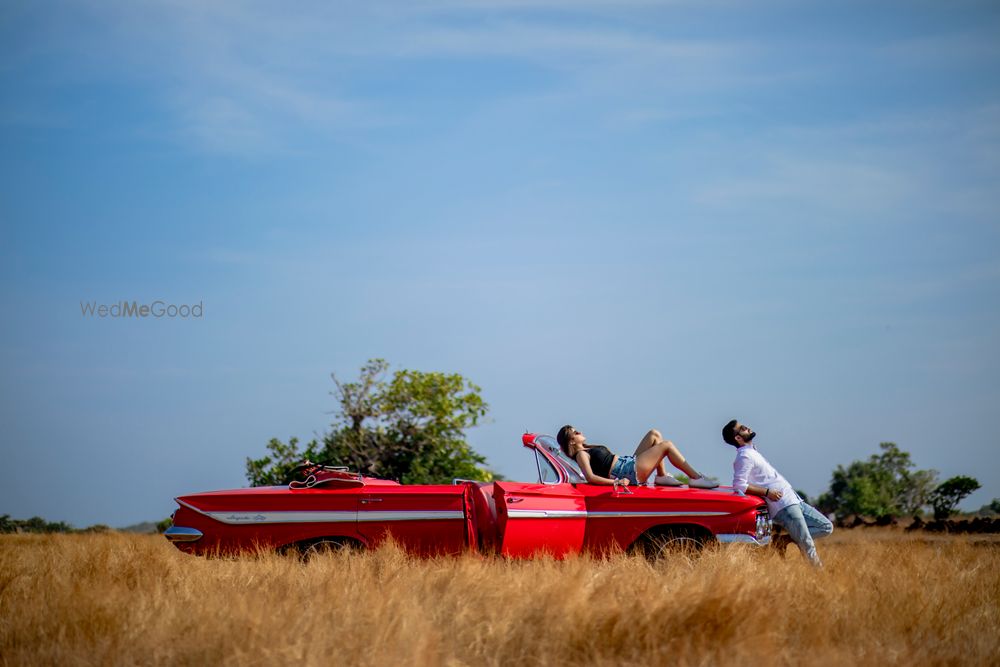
(939, 161)
(522, 40)
(930, 50)
(247, 78)
(814, 183)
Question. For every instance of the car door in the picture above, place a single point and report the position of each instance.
(424, 519)
(539, 518)
(616, 517)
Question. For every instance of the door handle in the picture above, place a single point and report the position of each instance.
(514, 500)
(371, 500)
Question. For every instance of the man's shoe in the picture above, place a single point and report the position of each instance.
(667, 480)
(703, 483)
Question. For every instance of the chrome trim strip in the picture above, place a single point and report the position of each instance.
(729, 538)
(601, 515)
(282, 517)
(565, 514)
(546, 514)
(275, 517)
(407, 515)
(318, 516)
(189, 506)
(182, 534)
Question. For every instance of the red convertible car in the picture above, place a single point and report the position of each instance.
(560, 514)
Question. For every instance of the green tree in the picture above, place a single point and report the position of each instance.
(993, 507)
(410, 428)
(884, 485)
(950, 493)
(35, 524)
(915, 492)
(276, 468)
(97, 528)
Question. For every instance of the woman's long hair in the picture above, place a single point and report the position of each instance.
(562, 437)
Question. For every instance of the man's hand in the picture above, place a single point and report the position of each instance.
(621, 481)
(773, 494)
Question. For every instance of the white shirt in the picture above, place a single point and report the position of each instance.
(750, 467)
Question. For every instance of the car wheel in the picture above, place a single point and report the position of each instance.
(326, 546)
(672, 544)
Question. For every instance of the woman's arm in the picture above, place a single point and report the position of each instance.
(583, 458)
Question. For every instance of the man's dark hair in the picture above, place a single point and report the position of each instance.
(729, 433)
(562, 437)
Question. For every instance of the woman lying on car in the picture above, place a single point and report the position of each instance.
(602, 466)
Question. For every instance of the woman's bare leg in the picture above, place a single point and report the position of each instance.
(649, 441)
(652, 450)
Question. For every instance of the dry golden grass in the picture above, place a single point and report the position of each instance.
(119, 600)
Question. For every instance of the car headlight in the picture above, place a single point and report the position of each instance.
(763, 525)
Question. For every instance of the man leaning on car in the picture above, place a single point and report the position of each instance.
(754, 475)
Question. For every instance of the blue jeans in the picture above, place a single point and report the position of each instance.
(625, 467)
(803, 523)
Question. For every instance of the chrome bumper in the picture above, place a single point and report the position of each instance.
(761, 538)
(743, 538)
(182, 534)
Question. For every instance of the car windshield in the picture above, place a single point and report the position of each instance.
(550, 444)
(546, 471)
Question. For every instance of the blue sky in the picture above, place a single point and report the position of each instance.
(615, 214)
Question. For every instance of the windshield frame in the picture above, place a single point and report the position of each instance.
(547, 445)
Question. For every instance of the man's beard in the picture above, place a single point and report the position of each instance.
(749, 436)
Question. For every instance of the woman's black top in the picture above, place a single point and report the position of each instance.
(600, 460)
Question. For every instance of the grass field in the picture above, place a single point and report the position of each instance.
(123, 599)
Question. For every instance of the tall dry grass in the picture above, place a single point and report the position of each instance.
(121, 600)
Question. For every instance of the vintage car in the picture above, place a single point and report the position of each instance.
(560, 514)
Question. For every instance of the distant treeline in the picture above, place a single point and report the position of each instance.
(888, 486)
(984, 521)
(37, 524)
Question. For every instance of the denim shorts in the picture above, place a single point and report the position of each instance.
(625, 467)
